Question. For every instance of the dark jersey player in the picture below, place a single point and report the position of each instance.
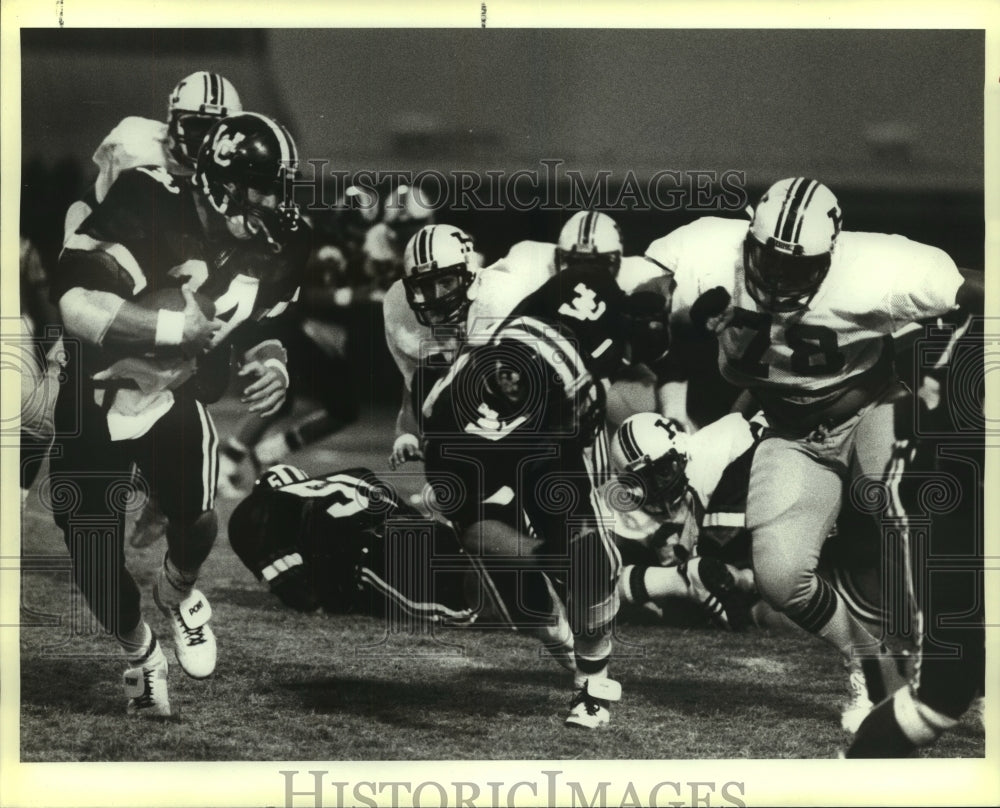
(227, 234)
(515, 448)
(344, 541)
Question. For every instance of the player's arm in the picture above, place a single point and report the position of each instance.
(91, 291)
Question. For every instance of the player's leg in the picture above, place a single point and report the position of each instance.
(180, 456)
(792, 503)
(86, 469)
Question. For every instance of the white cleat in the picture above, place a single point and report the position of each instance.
(589, 707)
(194, 640)
(146, 685)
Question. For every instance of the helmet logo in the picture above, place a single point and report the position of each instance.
(585, 305)
(225, 146)
(463, 239)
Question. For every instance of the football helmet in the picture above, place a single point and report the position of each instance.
(196, 103)
(242, 169)
(651, 452)
(789, 246)
(437, 274)
(280, 475)
(590, 238)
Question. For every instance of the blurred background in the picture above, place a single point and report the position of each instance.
(891, 120)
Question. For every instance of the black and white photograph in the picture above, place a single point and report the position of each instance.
(491, 405)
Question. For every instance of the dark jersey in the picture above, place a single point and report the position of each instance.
(345, 542)
(147, 235)
(509, 423)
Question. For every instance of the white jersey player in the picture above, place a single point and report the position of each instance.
(804, 315)
(197, 102)
(671, 486)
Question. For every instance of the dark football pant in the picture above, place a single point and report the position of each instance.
(91, 490)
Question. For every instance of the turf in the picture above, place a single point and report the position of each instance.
(339, 687)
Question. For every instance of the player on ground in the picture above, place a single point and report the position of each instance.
(230, 238)
(803, 313)
(678, 505)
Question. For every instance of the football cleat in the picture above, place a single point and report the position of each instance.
(194, 640)
(589, 707)
(711, 584)
(146, 685)
(858, 704)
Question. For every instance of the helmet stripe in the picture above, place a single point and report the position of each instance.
(795, 209)
(779, 225)
(805, 206)
(421, 248)
(628, 441)
(213, 88)
(204, 88)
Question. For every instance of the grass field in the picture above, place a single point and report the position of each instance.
(336, 687)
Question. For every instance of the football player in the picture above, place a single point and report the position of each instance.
(514, 433)
(343, 541)
(194, 105)
(803, 314)
(230, 237)
(944, 454)
(679, 503)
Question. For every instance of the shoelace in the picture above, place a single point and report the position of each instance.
(192, 636)
(592, 705)
(146, 699)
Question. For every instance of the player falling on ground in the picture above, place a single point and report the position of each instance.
(680, 520)
(514, 436)
(803, 314)
(674, 496)
(229, 236)
(344, 542)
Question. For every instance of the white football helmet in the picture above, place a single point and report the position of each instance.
(590, 238)
(650, 452)
(197, 102)
(437, 273)
(787, 251)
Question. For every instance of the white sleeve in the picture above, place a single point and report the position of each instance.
(134, 142)
(397, 313)
(925, 284)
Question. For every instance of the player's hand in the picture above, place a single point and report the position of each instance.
(712, 311)
(198, 329)
(406, 448)
(266, 393)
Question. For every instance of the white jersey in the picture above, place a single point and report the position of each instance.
(877, 284)
(133, 142)
(494, 293)
(711, 451)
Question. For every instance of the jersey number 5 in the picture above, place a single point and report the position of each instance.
(814, 347)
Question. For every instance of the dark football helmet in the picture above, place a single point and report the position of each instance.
(242, 170)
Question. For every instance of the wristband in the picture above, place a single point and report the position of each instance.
(169, 327)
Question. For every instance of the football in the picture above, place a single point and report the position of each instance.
(172, 299)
